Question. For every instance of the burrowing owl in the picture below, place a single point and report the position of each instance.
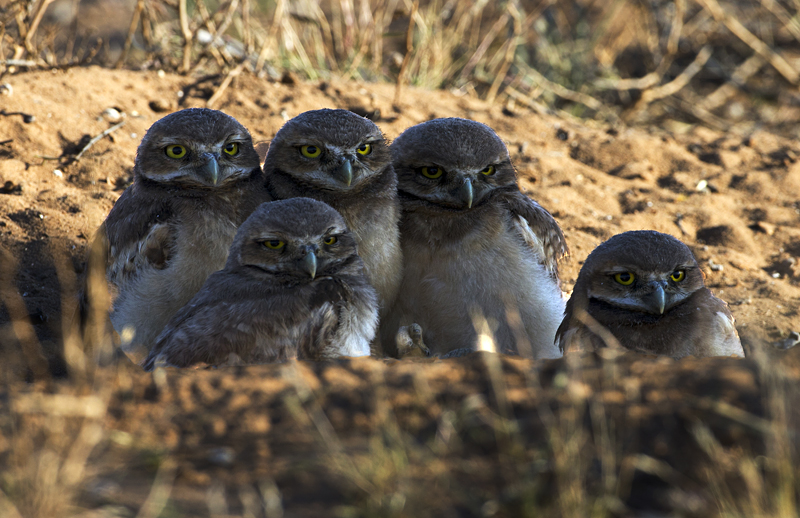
(293, 287)
(645, 291)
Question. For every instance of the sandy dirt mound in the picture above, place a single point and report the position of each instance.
(428, 437)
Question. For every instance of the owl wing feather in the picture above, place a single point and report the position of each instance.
(547, 235)
(135, 235)
(138, 235)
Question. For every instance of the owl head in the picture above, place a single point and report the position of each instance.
(294, 240)
(640, 271)
(196, 148)
(329, 150)
(451, 164)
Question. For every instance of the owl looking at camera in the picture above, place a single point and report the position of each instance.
(293, 287)
(196, 179)
(645, 291)
(342, 159)
(480, 266)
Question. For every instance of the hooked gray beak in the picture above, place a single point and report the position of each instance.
(310, 262)
(210, 169)
(466, 192)
(345, 172)
(655, 301)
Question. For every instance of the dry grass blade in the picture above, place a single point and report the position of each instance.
(743, 72)
(671, 88)
(161, 489)
(137, 13)
(90, 407)
(187, 36)
(653, 78)
(37, 19)
(741, 32)
(97, 138)
(560, 90)
(214, 99)
(409, 49)
(7, 508)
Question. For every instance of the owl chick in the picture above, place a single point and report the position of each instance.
(342, 159)
(196, 179)
(293, 287)
(646, 289)
(480, 258)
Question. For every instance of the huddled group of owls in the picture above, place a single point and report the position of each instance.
(345, 245)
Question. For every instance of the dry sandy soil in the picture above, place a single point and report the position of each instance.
(402, 438)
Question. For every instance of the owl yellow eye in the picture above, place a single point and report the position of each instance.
(310, 151)
(330, 240)
(231, 148)
(274, 244)
(624, 278)
(364, 149)
(678, 275)
(175, 151)
(432, 172)
(488, 171)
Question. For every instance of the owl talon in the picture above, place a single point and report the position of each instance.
(409, 342)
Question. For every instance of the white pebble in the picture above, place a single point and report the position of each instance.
(58, 173)
(112, 114)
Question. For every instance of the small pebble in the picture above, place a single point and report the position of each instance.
(58, 173)
(112, 114)
(715, 267)
(161, 73)
(6, 89)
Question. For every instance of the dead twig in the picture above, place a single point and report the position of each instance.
(37, 18)
(561, 91)
(671, 88)
(761, 48)
(187, 36)
(653, 78)
(97, 139)
(407, 57)
(212, 101)
(137, 12)
(743, 72)
(510, 51)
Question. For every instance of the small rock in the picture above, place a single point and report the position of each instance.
(767, 228)
(6, 89)
(58, 173)
(715, 267)
(112, 114)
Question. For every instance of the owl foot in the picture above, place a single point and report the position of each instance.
(409, 342)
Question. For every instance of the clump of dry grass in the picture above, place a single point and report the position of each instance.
(725, 63)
